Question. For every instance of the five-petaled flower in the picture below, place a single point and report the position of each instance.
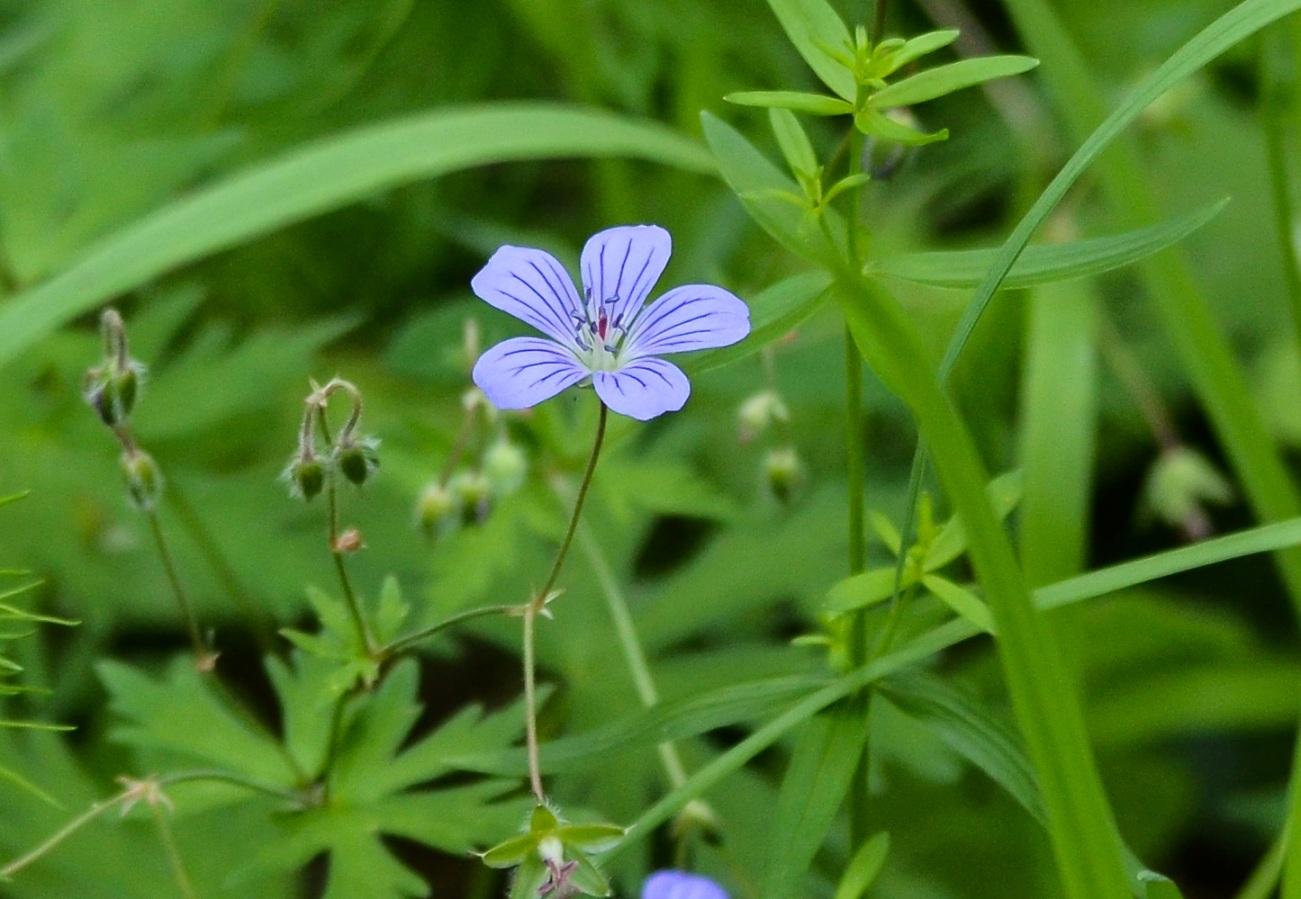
(609, 334)
(680, 885)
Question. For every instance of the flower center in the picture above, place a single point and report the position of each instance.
(599, 336)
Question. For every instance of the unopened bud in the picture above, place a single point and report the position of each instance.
(1180, 483)
(434, 510)
(504, 466)
(347, 542)
(112, 391)
(784, 473)
(306, 475)
(144, 481)
(474, 496)
(758, 412)
(358, 459)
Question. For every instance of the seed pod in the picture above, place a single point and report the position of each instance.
(144, 480)
(358, 460)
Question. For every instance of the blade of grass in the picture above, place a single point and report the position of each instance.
(325, 175)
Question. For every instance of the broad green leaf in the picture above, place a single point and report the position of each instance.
(864, 867)
(182, 715)
(820, 36)
(774, 312)
(813, 104)
(962, 601)
(947, 79)
(325, 175)
(812, 791)
(755, 181)
(1044, 263)
(794, 143)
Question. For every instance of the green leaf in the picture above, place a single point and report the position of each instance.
(794, 143)
(947, 79)
(183, 716)
(819, 35)
(753, 179)
(1044, 263)
(962, 601)
(813, 104)
(877, 124)
(988, 741)
(774, 312)
(917, 47)
(812, 791)
(863, 868)
(322, 176)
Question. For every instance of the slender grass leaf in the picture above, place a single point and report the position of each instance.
(812, 791)
(1044, 263)
(813, 104)
(943, 80)
(864, 867)
(820, 36)
(325, 175)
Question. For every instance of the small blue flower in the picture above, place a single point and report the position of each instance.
(679, 885)
(609, 335)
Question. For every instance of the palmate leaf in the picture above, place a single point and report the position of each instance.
(371, 787)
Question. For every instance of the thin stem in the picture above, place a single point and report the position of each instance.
(633, 653)
(403, 643)
(364, 636)
(531, 706)
(878, 21)
(1278, 80)
(227, 777)
(173, 852)
(1150, 405)
(538, 606)
(540, 599)
(203, 655)
(96, 809)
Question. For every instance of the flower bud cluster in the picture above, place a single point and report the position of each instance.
(320, 458)
(465, 495)
(111, 389)
(765, 415)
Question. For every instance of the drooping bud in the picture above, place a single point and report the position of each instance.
(504, 466)
(144, 480)
(306, 474)
(1179, 486)
(784, 473)
(358, 458)
(112, 387)
(434, 510)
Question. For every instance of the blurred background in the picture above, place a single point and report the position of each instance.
(112, 110)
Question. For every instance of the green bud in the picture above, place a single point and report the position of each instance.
(307, 476)
(144, 480)
(434, 510)
(504, 467)
(474, 495)
(784, 474)
(358, 460)
(758, 412)
(1179, 484)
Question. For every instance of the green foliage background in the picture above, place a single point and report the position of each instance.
(112, 112)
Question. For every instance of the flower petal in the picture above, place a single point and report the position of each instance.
(532, 286)
(524, 371)
(679, 885)
(621, 265)
(644, 388)
(693, 317)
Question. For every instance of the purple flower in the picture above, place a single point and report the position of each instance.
(678, 885)
(609, 335)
